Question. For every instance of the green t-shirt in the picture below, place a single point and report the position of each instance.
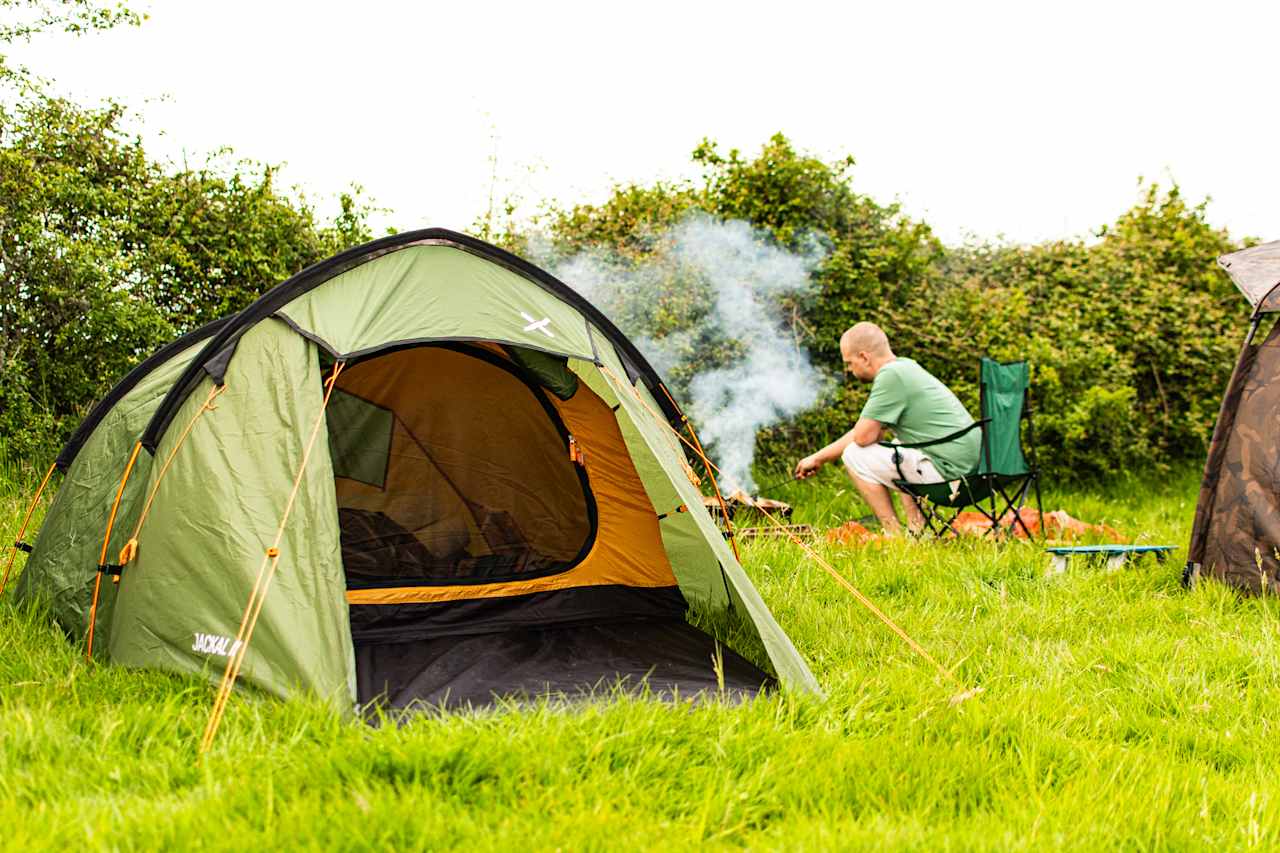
(917, 407)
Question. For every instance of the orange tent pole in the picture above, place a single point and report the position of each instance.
(164, 469)
(724, 507)
(106, 541)
(131, 549)
(22, 531)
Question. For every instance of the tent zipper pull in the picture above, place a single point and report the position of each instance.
(127, 553)
(576, 455)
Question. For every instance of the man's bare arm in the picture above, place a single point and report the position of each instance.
(866, 432)
(865, 427)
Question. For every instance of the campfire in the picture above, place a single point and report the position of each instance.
(745, 509)
(737, 501)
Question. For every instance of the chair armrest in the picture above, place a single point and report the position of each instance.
(919, 444)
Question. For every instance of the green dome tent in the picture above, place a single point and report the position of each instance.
(420, 472)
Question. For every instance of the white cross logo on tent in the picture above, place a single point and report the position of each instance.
(538, 325)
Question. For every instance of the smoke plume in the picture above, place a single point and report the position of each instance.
(708, 303)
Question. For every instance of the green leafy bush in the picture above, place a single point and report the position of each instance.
(1132, 335)
(105, 255)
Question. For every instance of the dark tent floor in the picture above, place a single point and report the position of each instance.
(665, 659)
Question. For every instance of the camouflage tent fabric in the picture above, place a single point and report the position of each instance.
(1236, 534)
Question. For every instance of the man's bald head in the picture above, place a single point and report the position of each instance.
(865, 348)
(865, 337)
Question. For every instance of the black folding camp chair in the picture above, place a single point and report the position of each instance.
(1003, 477)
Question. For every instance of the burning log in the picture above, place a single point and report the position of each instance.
(739, 504)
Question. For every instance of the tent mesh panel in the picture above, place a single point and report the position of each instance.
(453, 467)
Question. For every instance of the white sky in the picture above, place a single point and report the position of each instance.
(1023, 120)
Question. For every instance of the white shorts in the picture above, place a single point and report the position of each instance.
(874, 464)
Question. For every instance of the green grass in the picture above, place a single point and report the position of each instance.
(1116, 711)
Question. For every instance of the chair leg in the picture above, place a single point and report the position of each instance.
(1014, 504)
(936, 520)
(1017, 510)
(994, 530)
(996, 513)
(939, 524)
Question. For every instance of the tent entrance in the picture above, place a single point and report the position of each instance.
(452, 467)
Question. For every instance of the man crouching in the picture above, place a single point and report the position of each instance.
(917, 407)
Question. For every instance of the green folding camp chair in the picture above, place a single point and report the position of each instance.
(1003, 478)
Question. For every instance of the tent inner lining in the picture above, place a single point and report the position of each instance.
(451, 468)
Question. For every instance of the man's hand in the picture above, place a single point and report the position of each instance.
(807, 467)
